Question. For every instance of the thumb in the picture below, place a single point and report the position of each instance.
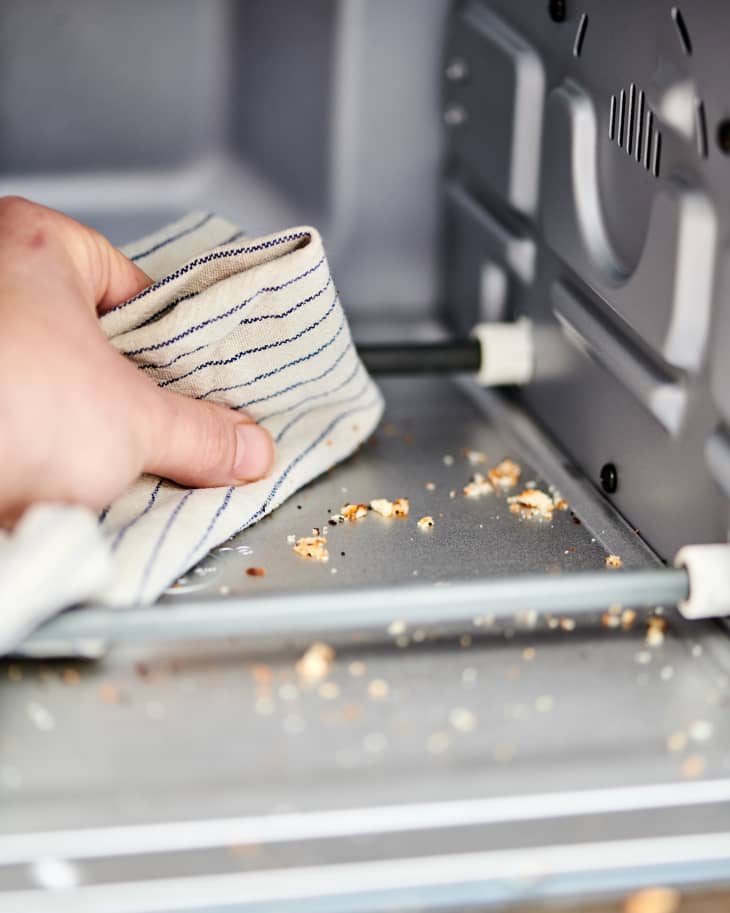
(201, 444)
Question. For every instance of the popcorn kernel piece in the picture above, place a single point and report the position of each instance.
(614, 561)
(383, 506)
(425, 523)
(532, 503)
(314, 547)
(505, 475)
(316, 663)
(478, 486)
(354, 511)
(401, 506)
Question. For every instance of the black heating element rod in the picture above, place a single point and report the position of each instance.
(449, 357)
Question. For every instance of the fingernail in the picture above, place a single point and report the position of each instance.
(254, 453)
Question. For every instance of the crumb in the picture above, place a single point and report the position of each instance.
(452, 494)
(256, 571)
(401, 507)
(448, 460)
(677, 741)
(465, 640)
(655, 628)
(693, 767)
(653, 900)
(262, 675)
(357, 668)
(560, 504)
(477, 486)
(314, 547)
(396, 627)
(378, 689)
(315, 664)
(71, 676)
(610, 621)
(224, 590)
(613, 561)
(109, 693)
(425, 523)
(505, 475)
(430, 486)
(528, 654)
(335, 519)
(701, 730)
(15, 673)
(354, 511)
(329, 691)
(291, 539)
(475, 457)
(462, 719)
(567, 624)
(383, 506)
(628, 617)
(532, 503)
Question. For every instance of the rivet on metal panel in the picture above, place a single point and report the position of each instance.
(609, 478)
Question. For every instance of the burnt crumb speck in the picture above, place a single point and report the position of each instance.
(343, 554)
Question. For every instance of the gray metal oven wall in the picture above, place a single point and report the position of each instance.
(267, 111)
(588, 185)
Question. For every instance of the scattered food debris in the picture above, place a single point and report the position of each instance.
(693, 767)
(396, 627)
(41, 717)
(503, 752)
(653, 900)
(316, 662)
(329, 691)
(701, 730)
(425, 523)
(677, 741)
(430, 486)
(259, 571)
(291, 539)
(109, 693)
(354, 511)
(262, 675)
(401, 507)
(655, 628)
(532, 503)
(462, 719)
(448, 460)
(71, 676)
(314, 547)
(378, 689)
(478, 486)
(628, 617)
(506, 474)
(383, 506)
(475, 457)
(610, 621)
(560, 503)
(614, 561)
(465, 640)
(567, 624)
(528, 654)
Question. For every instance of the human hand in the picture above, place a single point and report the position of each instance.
(78, 422)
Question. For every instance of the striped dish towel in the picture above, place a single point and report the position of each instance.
(256, 324)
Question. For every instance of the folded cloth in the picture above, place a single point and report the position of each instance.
(256, 324)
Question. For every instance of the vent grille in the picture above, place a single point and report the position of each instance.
(631, 127)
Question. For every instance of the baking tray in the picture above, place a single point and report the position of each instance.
(510, 760)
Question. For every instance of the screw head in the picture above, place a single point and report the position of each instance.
(723, 136)
(609, 478)
(557, 10)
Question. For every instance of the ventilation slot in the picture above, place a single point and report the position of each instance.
(631, 127)
(580, 34)
(681, 27)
